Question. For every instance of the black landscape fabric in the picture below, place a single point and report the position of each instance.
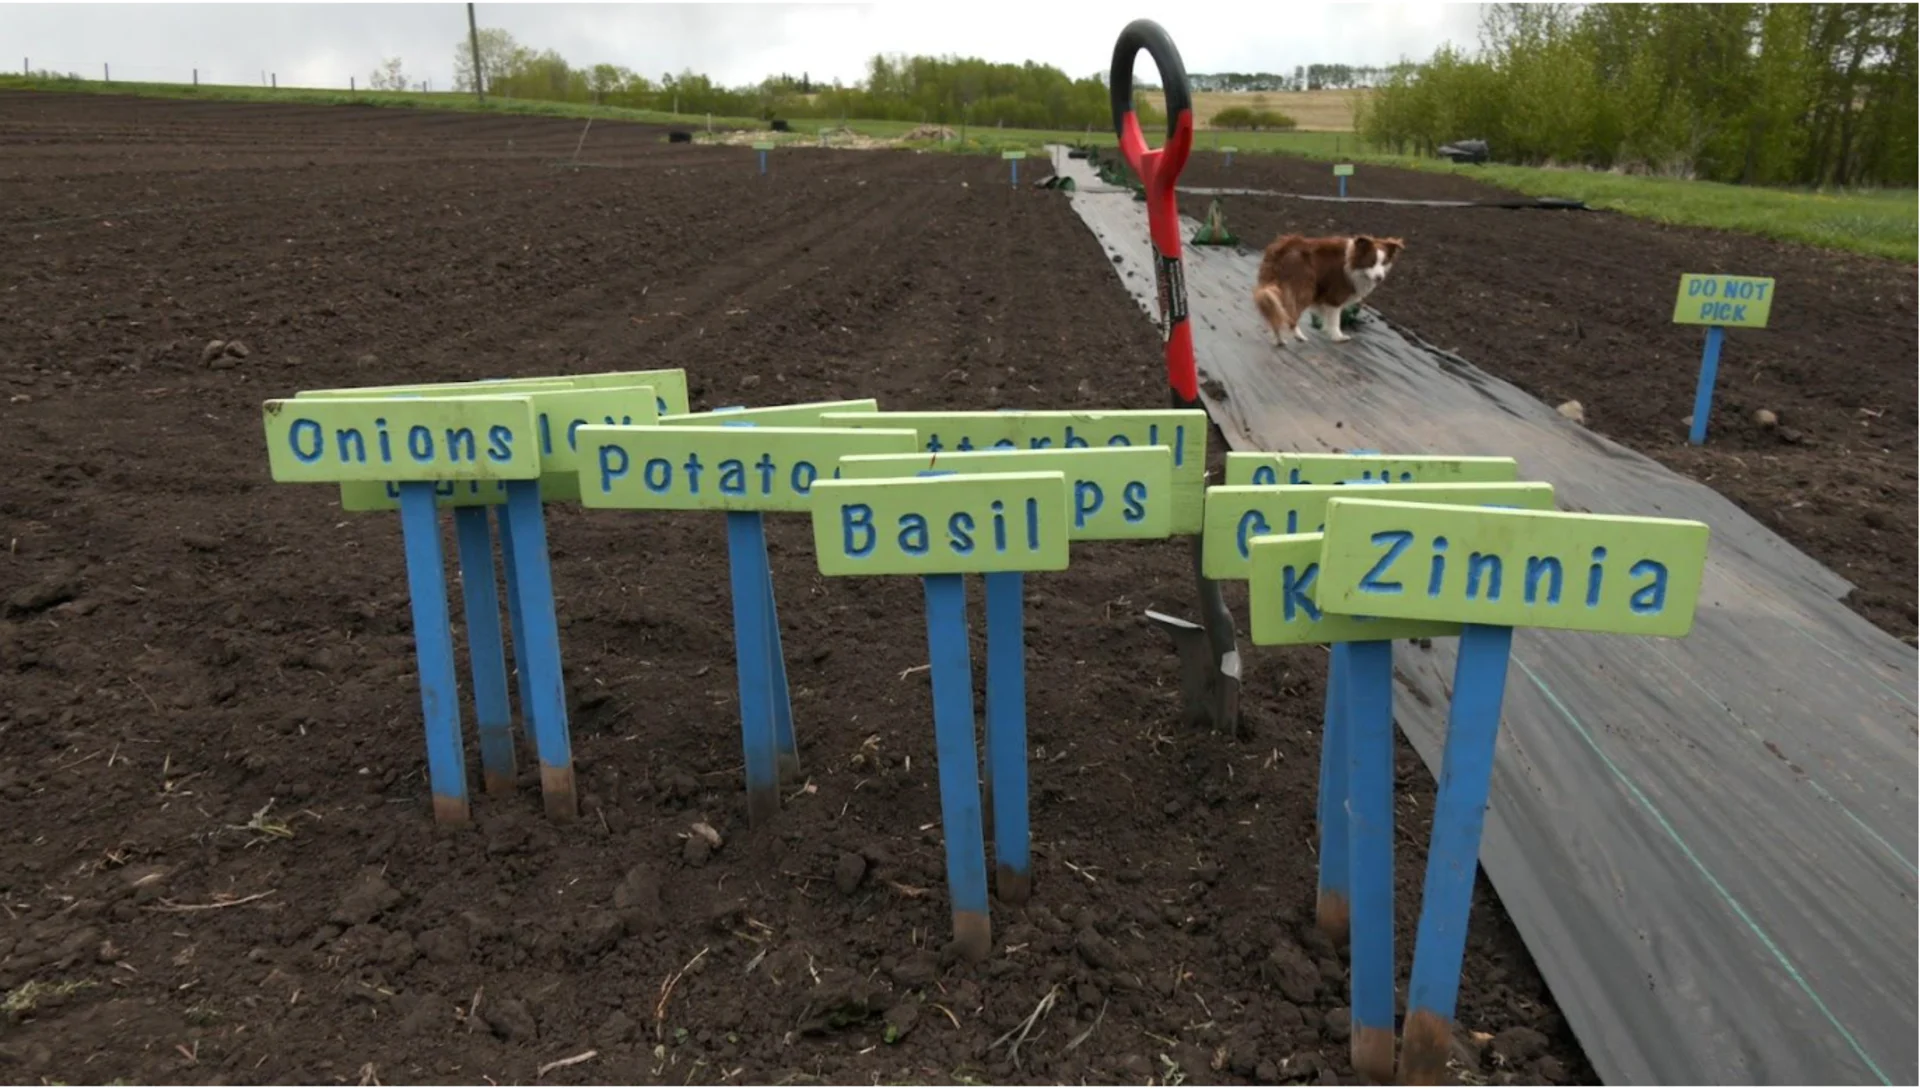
(1708, 843)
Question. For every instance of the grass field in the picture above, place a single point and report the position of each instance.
(1312, 111)
(1875, 222)
(1880, 223)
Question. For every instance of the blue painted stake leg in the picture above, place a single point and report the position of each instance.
(747, 568)
(1334, 904)
(539, 654)
(1229, 159)
(781, 696)
(1703, 393)
(1343, 187)
(480, 594)
(959, 765)
(1369, 684)
(763, 162)
(1015, 164)
(433, 645)
(1007, 734)
(516, 628)
(1459, 810)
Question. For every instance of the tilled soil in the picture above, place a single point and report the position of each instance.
(216, 857)
(1577, 306)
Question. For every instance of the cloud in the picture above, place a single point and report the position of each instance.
(323, 45)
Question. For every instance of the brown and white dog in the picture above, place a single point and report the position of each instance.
(1325, 274)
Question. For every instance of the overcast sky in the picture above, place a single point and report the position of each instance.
(320, 45)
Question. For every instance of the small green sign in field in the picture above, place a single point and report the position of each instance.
(1535, 569)
(1117, 493)
(1734, 302)
(1236, 515)
(800, 415)
(1184, 431)
(1343, 170)
(719, 468)
(1280, 468)
(321, 440)
(1283, 604)
(942, 525)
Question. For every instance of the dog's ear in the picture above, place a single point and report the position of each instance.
(1392, 248)
(1362, 249)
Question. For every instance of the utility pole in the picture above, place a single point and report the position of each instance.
(473, 38)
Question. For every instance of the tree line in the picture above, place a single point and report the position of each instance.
(1757, 94)
(939, 90)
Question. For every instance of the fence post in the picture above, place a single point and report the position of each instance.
(350, 85)
(106, 72)
(196, 77)
(276, 81)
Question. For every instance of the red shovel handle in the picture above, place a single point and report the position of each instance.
(1158, 169)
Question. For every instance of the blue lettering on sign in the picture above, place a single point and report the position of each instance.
(574, 426)
(1396, 541)
(1652, 597)
(1087, 500)
(733, 477)
(1485, 570)
(1252, 524)
(856, 518)
(1293, 592)
(609, 471)
(1073, 440)
(913, 534)
(1537, 568)
(307, 440)
(658, 475)
(804, 469)
(1723, 312)
(1264, 475)
(1134, 499)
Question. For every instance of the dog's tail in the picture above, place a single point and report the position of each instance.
(1272, 307)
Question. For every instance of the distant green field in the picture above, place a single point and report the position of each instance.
(1875, 222)
(1880, 223)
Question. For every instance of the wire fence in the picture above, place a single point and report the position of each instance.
(222, 75)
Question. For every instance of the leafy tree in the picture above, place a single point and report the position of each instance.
(1821, 94)
(390, 76)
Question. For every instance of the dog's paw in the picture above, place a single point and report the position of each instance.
(1339, 337)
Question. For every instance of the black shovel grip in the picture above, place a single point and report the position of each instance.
(1150, 36)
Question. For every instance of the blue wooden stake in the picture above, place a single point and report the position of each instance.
(773, 664)
(1703, 393)
(516, 628)
(1459, 809)
(763, 162)
(1369, 684)
(1334, 904)
(1015, 164)
(433, 646)
(747, 566)
(1229, 158)
(787, 747)
(539, 655)
(480, 593)
(959, 763)
(1007, 734)
(1343, 187)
